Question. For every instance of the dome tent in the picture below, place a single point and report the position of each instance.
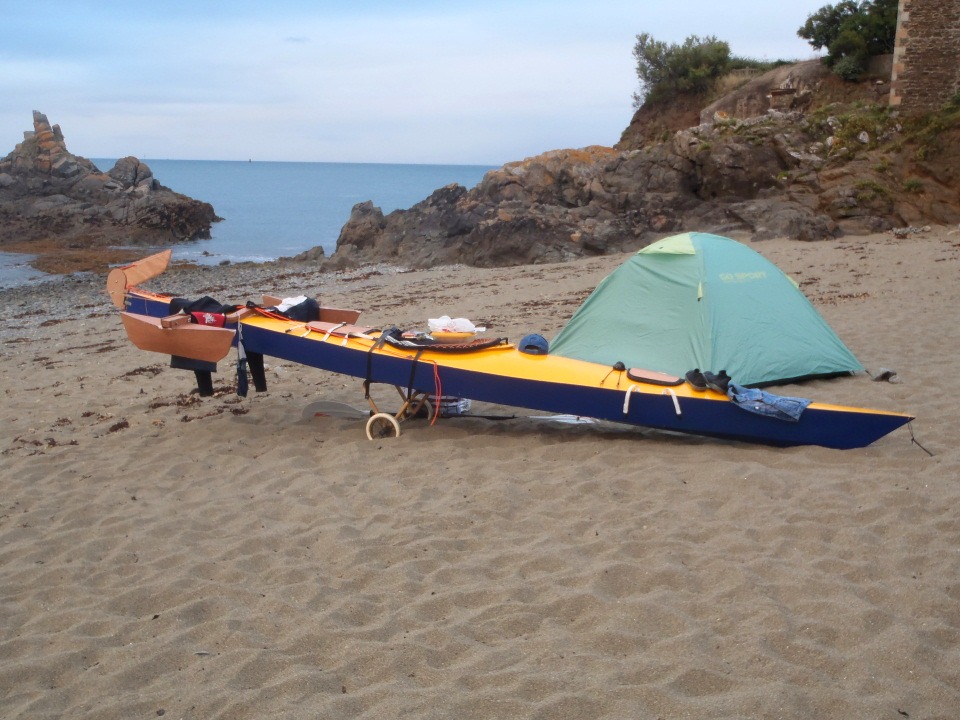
(703, 301)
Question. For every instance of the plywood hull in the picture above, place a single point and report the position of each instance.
(197, 342)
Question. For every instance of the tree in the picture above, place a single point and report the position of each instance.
(668, 69)
(825, 25)
(879, 26)
(851, 32)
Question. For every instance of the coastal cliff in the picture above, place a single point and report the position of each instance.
(49, 196)
(782, 156)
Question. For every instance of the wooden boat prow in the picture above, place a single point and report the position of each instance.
(123, 278)
(189, 340)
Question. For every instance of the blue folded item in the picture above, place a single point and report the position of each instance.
(767, 404)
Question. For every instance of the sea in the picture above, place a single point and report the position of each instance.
(277, 209)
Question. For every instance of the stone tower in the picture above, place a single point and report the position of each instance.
(926, 59)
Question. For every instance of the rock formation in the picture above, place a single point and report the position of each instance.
(807, 176)
(48, 193)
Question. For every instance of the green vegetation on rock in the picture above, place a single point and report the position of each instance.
(851, 32)
(668, 69)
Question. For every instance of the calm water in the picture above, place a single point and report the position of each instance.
(279, 209)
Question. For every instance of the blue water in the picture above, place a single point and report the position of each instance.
(15, 270)
(279, 209)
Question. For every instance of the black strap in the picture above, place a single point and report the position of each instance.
(376, 346)
(413, 372)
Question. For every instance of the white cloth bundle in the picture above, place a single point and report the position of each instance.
(448, 324)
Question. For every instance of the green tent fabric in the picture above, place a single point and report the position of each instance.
(703, 301)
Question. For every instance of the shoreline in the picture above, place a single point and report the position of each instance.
(55, 258)
(60, 262)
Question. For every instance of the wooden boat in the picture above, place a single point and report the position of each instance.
(501, 374)
(189, 340)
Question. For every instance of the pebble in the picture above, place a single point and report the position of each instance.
(908, 231)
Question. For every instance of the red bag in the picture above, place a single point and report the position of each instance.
(209, 318)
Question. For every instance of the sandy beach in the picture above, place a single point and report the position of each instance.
(163, 554)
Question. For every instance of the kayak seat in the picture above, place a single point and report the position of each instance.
(338, 315)
(327, 314)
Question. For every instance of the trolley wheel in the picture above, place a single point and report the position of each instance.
(428, 409)
(424, 410)
(382, 425)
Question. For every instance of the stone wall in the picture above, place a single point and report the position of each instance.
(926, 69)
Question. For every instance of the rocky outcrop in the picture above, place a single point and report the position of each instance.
(799, 86)
(829, 164)
(47, 192)
(777, 175)
(790, 87)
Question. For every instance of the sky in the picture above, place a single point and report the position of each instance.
(420, 81)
